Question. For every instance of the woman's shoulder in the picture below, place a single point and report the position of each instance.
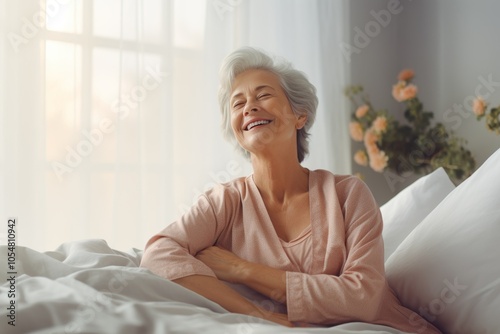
(236, 184)
(339, 179)
(345, 185)
(235, 188)
(224, 198)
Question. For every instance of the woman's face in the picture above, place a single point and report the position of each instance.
(261, 115)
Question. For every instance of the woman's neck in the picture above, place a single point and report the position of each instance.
(280, 178)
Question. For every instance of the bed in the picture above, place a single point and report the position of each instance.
(442, 260)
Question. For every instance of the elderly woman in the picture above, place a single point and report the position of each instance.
(309, 240)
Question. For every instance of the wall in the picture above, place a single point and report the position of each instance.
(453, 47)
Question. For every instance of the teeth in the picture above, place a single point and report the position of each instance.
(251, 125)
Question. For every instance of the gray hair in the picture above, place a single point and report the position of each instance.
(300, 92)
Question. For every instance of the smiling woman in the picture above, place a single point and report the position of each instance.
(261, 116)
(277, 80)
(309, 241)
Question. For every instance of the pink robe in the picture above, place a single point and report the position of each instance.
(345, 279)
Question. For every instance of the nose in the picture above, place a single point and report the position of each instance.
(250, 107)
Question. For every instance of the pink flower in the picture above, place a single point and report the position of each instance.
(372, 149)
(362, 110)
(378, 161)
(370, 141)
(361, 158)
(409, 92)
(380, 124)
(479, 106)
(406, 75)
(402, 92)
(370, 138)
(397, 89)
(356, 131)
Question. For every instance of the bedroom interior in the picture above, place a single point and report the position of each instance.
(111, 129)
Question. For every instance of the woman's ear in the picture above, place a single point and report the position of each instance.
(301, 122)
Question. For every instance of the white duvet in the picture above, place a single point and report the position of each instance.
(87, 287)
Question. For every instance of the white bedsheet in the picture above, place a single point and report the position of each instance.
(87, 287)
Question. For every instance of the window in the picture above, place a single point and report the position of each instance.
(111, 69)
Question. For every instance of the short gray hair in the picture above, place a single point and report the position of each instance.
(300, 92)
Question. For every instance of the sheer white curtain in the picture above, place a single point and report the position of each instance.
(109, 120)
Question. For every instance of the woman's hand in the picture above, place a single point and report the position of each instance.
(231, 268)
(278, 318)
(226, 266)
(220, 293)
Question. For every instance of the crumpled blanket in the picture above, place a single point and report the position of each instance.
(87, 287)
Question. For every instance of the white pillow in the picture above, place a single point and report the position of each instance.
(448, 268)
(410, 206)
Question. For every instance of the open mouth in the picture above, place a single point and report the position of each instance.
(257, 124)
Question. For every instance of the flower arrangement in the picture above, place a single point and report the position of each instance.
(479, 107)
(415, 145)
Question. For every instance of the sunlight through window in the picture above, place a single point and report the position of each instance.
(189, 22)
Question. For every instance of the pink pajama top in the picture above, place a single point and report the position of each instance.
(334, 269)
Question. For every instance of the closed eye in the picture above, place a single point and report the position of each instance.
(238, 104)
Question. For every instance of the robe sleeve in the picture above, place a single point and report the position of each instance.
(355, 294)
(171, 253)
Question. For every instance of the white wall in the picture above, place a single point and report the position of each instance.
(450, 44)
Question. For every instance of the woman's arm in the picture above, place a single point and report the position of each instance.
(230, 268)
(353, 288)
(218, 292)
(322, 299)
(170, 254)
(352, 295)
